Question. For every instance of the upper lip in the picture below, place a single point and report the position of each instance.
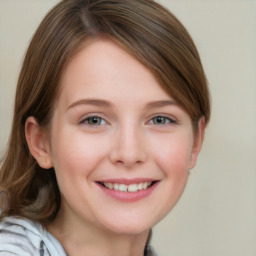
(127, 181)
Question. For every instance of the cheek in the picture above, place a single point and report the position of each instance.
(174, 154)
(77, 153)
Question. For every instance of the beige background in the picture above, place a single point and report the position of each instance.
(217, 213)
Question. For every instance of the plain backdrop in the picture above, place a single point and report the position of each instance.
(216, 214)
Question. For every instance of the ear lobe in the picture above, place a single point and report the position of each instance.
(37, 143)
(198, 141)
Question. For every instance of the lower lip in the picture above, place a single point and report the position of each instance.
(129, 196)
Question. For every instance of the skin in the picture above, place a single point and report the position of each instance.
(139, 132)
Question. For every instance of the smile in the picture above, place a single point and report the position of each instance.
(127, 188)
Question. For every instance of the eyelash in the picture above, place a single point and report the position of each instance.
(97, 121)
(167, 120)
(94, 120)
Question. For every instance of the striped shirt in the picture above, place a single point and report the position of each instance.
(23, 237)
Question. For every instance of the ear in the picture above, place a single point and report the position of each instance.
(38, 143)
(198, 141)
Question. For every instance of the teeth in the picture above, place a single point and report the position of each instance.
(122, 187)
(110, 185)
(133, 188)
(140, 186)
(145, 185)
(129, 188)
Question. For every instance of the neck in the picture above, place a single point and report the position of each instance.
(87, 239)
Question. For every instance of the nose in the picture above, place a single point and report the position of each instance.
(128, 147)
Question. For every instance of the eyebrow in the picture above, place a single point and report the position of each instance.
(105, 103)
(161, 103)
(95, 102)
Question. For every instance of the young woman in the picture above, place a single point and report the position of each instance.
(109, 117)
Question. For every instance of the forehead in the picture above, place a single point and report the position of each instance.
(103, 67)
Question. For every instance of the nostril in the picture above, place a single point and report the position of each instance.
(128, 148)
(129, 163)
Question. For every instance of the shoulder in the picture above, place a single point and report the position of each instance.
(20, 236)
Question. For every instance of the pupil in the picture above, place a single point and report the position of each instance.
(95, 120)
(160, 120)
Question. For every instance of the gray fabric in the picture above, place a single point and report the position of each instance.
(151, 251)
(26, 238)
(23, 237)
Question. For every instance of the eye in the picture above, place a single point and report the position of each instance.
(94, 121)
(162, 120)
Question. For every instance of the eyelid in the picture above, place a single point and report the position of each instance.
(91, 115)
(172, 120)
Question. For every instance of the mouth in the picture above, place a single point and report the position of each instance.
(128, 190)
(135, 187)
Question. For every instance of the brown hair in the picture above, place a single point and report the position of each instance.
(145, 29)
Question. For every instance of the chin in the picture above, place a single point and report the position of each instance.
(129, 226)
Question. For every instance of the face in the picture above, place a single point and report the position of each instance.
(120, 145)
